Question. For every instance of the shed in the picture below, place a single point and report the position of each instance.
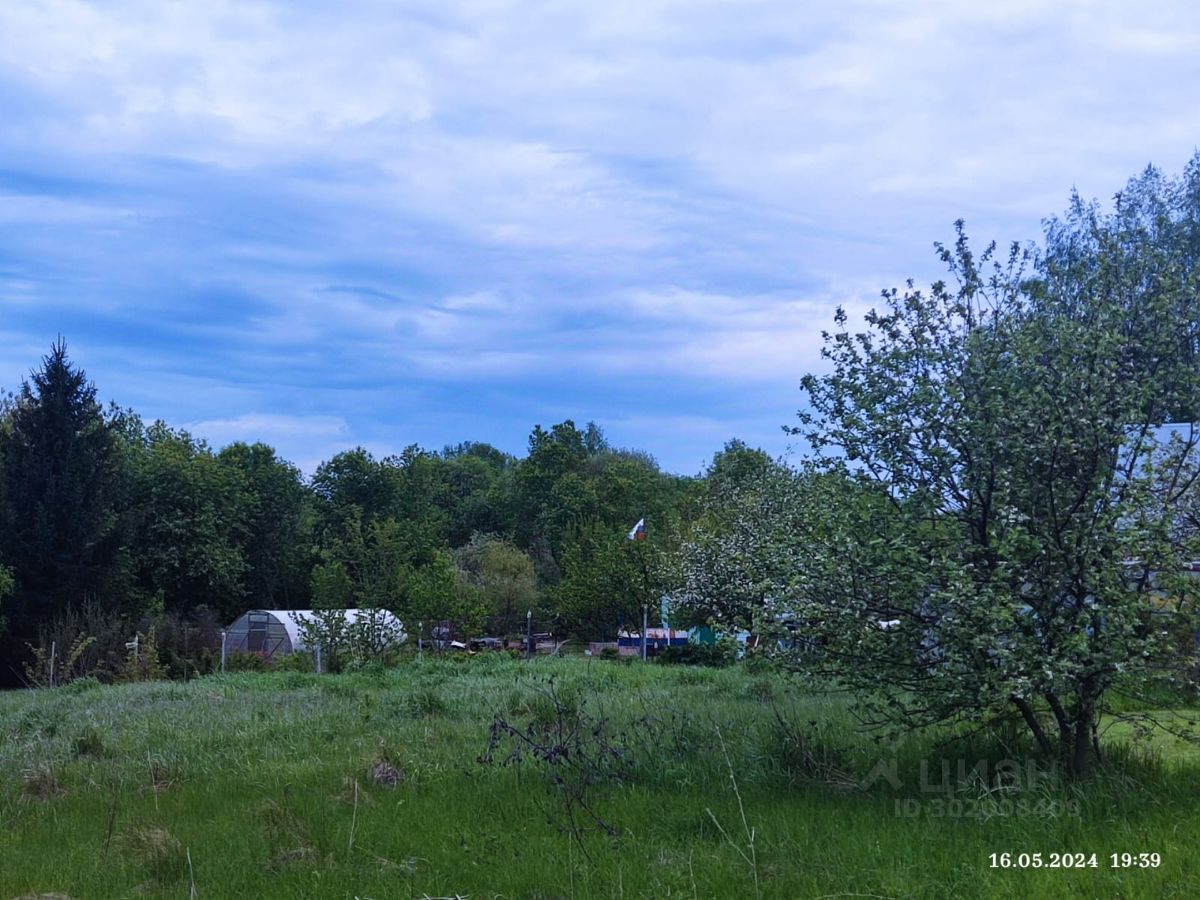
(273, 632)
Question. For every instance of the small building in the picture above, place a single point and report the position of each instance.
(276, 632)
(630, 643)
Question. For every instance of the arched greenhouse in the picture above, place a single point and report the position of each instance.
(276, 632)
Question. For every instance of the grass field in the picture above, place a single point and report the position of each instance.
(728, 783)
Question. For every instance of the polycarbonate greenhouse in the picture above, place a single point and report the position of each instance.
(275, 632)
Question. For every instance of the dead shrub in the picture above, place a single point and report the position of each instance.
(385, 774)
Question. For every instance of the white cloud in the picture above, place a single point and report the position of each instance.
(284, 208)
(266, 426)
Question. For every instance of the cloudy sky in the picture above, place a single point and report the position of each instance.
(384, 223)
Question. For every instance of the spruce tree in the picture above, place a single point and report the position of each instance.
(60, 467)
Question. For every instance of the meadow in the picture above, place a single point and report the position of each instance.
(603, 779)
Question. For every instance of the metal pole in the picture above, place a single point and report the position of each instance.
(529, 634)
(53, 653)
(420, 630)
(645, 620)
(223, 636)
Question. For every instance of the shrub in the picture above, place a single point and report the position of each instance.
(692, 654)
(373, 634)
(238, 661)
(291, 662)
(82, 685)
(188, 645)
(143, 662)
(88, 640)
(578, 753)
(51, 665)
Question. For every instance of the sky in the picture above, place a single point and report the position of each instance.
(386, 223)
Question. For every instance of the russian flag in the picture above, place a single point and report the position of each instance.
(637, 532)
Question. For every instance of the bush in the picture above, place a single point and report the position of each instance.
(238, 661)
(373, 634)
(187, 645)
(292, 662)
(81, 685)
(88, 640)
(142, 662)
(713, 655)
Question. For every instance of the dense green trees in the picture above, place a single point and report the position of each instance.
(502, 578)
(607, 580)
(188, 517)
(277, 520)
(104, 516)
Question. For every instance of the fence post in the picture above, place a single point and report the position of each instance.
(53, 653)
(529, 634)
(223, 635)
(645, 622)
(317, 651)
(420, 630)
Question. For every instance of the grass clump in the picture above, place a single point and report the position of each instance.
(426, 701)
(89, 744)
(41, 782)
(288, 837)
(155, 849)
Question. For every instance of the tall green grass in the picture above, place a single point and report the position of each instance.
(370, 785)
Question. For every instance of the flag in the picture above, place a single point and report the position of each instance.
(637, 532)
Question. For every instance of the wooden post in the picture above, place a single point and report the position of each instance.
(53, 653)
(317, 663)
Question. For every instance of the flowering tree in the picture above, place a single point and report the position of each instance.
(992, 526)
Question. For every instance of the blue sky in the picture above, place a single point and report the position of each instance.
(378, 223)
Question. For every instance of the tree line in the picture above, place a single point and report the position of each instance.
(107, 522)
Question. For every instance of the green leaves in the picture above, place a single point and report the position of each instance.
(995, 511)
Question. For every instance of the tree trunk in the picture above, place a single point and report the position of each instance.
(1080, 752)
(1034, 725)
